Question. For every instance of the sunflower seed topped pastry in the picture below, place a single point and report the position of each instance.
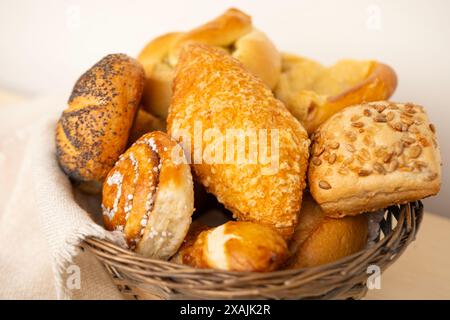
(373, 155)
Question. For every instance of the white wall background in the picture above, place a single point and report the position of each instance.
(46, 45)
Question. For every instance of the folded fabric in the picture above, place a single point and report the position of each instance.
(42, 220)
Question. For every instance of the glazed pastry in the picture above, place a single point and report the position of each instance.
(93, 131)
(374, 155)
(232, 31)
(319, 239)
(215, 92)
(149, 196)
(234, 246)
(313, 93)
(145, 123)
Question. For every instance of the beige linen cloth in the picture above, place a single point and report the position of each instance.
(41, 226)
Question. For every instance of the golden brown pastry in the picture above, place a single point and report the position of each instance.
(215, 92)
(319, 239)
(232, 31)
(373, 155)
(313, 93)
(234, 246)
(93, 131)
(149, 196)
(144, 123)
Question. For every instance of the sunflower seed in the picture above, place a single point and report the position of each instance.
(316, 161)
(332, 158)
(334, 145)
(380, 108)
(367, 112)
(387, 158)
(343, 171)
(432, 128)
(414, 152)
(390, 116)
(380, 118)
(324, 185)
(358, 124)
(364, 172)
(393, 165)
(378, 167)
(398, 148)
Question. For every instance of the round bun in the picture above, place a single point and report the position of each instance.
(232, 31)
(374, 155)
(319, 239)
(313, 93)
(215, 90)
(149, 196)
(234, 246)
(93, 131)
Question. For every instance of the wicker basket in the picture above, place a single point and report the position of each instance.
(142, 278)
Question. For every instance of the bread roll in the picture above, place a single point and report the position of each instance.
(149, 196)
(145, 123)
(313, 93)
(93, 131)
(374, 155)
(319, 239)
(234, 246)
(232, 31)
(214, 91)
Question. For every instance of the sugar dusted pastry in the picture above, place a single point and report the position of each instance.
(149, 196)
(234, 246)
(373, 155)
(214, 91)
(232, 31)
(319, 239)
(93, 131)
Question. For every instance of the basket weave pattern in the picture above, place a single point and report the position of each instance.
(143, 278)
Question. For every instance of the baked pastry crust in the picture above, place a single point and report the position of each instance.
(232, 31)
(149, 196)
(234, 246)
(213, 89)
(144, 123)
(93, 131)
(373, 155)
(319, 239)
(313, 93)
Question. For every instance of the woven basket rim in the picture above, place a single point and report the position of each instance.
(131, 270)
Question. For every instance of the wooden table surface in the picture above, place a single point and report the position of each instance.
(422, 272)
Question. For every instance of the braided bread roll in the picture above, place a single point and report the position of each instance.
(215, 90)
(149, 196)
(232, 31)
(93, 131)
(233, 246)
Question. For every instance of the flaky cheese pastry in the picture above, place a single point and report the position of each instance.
(149, 196)
(93, 131)
(319, 239)
(214, 91)
(232, 31)
(233, 246)
(373, 155)
(313, 93)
